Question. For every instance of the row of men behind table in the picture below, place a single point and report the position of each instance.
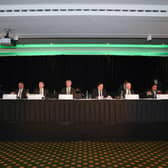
(99, 91)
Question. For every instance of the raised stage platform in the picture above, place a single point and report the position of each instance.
(83, 119)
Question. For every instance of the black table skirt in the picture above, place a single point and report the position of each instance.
(113, 111)
(84, 117)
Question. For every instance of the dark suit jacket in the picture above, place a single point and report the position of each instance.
(153, 95)
(1, 93)
(123, 92)
(95, 93)
(46, 92)
(24, 93)
(73, 92)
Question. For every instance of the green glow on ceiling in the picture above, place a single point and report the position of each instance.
(85, 45)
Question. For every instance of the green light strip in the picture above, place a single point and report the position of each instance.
(85, 53)
(85, 45)
(84, 49)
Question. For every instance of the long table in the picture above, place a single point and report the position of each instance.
(84, 118)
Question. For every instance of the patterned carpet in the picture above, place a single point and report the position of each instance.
(84, 154)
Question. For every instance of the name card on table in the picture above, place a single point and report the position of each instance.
(132, 97)
(162, 96)
(65, 97)
(9, 96)
(34, 96)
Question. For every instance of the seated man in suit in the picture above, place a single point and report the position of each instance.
(21, 92)
(41, 89)
(127, 90)
(68, 89)
(153, 92)
(99, 92)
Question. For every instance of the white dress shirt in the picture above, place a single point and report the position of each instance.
(68, 90)
(20, 93)
(42, 91)
(128, 91)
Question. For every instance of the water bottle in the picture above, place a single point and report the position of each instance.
(122, 94)
(87, 94)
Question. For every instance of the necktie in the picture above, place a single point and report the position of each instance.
(100, 92)
(42, 91)
(20, 93)
(154, 93)
(68, 90)
(127, 91)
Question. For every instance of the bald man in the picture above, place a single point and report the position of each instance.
(68, 89)
(127, 89)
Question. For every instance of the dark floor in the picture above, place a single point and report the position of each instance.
(84, 154)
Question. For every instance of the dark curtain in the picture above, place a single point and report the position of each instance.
(84, 71)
